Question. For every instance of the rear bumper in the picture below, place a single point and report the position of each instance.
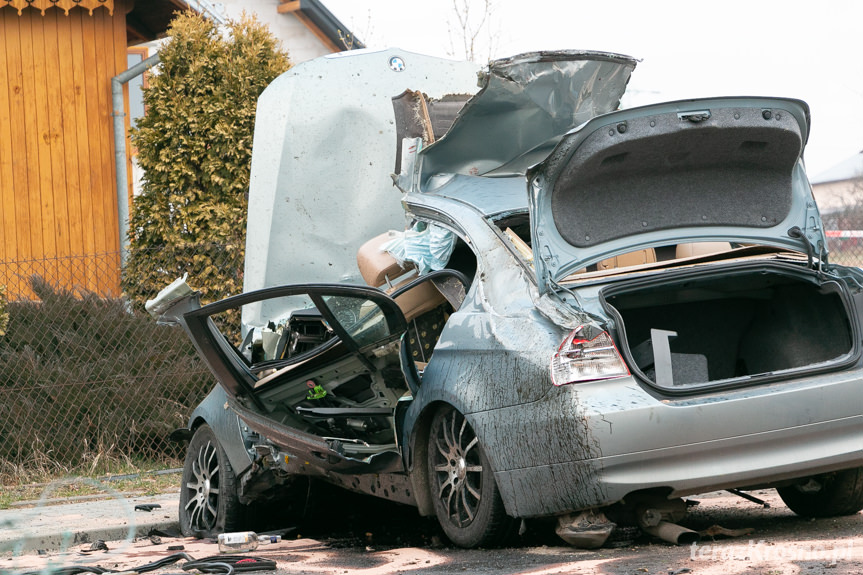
(590, 445)
(757, 459)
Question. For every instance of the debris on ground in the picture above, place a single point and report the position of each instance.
(715, 530)
(97, 545)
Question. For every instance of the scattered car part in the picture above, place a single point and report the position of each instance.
(715, 530)
(655, 515)
(230, 564)
(221, 564)
(586, 530)
(172, 532)
(652, 524)
(163, 562)
(97, 545)
(749, 497)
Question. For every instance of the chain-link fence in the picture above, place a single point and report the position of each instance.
(846, 247)
(85, 374)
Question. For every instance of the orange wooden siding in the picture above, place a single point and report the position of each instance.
(65, 5)
(58, 205)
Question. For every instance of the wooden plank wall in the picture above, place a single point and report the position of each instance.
(58, 205)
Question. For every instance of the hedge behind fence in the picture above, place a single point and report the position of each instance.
(82, 377)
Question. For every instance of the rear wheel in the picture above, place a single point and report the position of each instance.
(209, 503)
(828, 495)
(466, 499)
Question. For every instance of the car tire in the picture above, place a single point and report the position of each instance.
(828, 495)
(466, 498)
(209, 502)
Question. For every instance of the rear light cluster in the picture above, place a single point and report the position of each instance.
(587, 354)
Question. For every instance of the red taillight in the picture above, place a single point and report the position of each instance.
(587, 354)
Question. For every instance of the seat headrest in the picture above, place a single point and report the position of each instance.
(376, 265)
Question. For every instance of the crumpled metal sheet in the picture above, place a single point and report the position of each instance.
(589, 529)
(324, 148)
(525, 106)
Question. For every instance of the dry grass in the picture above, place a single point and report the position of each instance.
(99, 461)
(141, 483)
(102, 471)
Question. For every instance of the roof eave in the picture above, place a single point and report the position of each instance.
(335, 34)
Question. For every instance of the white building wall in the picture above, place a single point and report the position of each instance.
(298, 40)
(832, 196)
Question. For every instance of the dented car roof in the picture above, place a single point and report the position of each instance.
(525, 105)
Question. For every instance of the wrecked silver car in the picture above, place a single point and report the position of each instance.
(575, 312)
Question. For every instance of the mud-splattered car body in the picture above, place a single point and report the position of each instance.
(631, 306)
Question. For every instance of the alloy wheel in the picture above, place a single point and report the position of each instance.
(458, 466)
(203, 486)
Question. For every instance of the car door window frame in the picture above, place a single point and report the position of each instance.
(230, 367)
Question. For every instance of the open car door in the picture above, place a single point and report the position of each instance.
(320, 378)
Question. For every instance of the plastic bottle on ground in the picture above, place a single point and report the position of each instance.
(242, 541)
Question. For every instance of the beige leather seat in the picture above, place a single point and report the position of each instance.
(380, 269)
(635, 258)
(700, 249)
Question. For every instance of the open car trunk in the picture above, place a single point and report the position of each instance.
(732, 327)
(717, 169)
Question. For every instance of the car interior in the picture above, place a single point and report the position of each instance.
(345, 381)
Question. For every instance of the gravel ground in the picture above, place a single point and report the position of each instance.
(375, 537)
